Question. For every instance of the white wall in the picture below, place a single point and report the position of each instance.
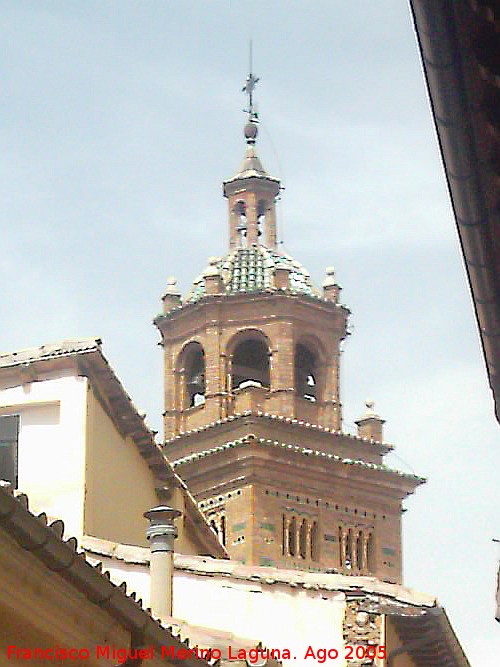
(51, 458)
(279, 616)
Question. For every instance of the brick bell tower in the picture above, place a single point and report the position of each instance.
(253, 417)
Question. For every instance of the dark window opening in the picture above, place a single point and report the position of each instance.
(250, 365)
(348, 550)
(223, 530)
(303, 539)
(314, 541)
(195, 377)
(9, 438)
(370, 552)
(292, 535)
(305, 373)
(359, 551)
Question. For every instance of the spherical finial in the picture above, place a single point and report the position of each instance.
(251, 132)
(330, 271)
(370, 404)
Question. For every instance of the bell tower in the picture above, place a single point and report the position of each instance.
(253, 416)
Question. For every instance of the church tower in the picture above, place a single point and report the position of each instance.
(253, 416)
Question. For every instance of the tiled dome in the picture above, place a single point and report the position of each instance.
(247, 270)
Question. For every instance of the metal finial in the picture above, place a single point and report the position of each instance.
(248, 89)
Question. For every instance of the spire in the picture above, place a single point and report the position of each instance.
(251, 192)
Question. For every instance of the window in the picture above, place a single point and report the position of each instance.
(370, 549)
(194, 375)
(250, 364)
(300, 538)
(305, 373)
(218, 525)
(241, 227)
(356, 550)
(9, 435)
(314, 541)
(303, 539)
(359, 551)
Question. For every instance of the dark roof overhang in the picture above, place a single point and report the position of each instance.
(460, 51)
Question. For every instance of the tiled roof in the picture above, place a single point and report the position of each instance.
(45, 542)
(279, 418)
(123, 412)
(266, 575)
(306, 451)
(65, 348)
(247, 270)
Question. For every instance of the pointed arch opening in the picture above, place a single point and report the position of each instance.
(250, 362)
(306, 373)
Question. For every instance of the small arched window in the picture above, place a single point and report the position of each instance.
(314, 541)
(194, 375)
(359, 551)
(250, 364)
(305, 373)
(348, 550)
(303, 539)
(223, 529)
(292, 537)
(370, 552)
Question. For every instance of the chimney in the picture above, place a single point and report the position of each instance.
(370, 424)
(161, 535)
(172, 297)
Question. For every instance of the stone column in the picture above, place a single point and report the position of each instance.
(161, 535)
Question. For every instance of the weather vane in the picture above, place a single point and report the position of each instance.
(248, 89)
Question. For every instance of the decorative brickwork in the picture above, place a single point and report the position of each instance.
(253, 416)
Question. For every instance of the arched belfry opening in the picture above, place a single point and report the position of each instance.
(240, 214)
(193, 375)
(306, 373)
(250, 362)
(261, 216)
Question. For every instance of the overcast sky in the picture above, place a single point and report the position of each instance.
(120, 120)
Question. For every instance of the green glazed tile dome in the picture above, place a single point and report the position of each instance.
(247, 270)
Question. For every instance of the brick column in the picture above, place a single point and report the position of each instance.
(251, 213)
(234, 217)
(270, 226)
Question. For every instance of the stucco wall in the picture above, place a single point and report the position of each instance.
(119, 484)
(279, 616)
(51, 446)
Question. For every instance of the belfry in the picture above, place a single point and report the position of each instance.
(253, 414)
